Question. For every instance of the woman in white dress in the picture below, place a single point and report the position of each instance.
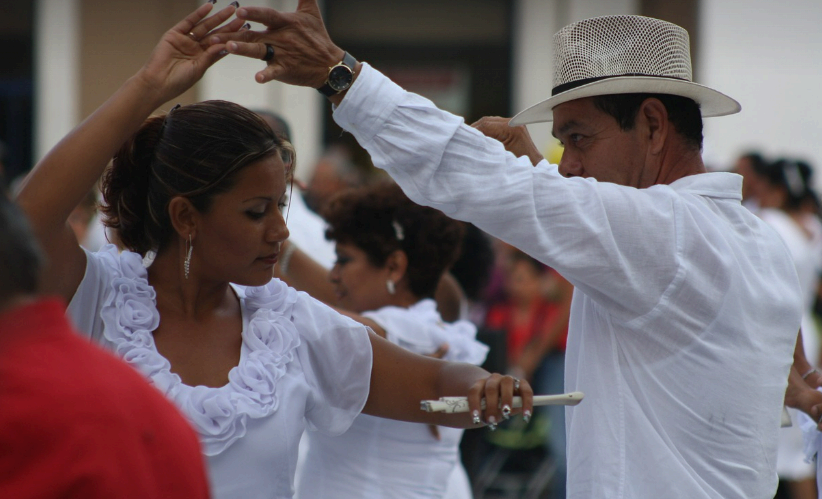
(248, 360)
(785, 187)
(391, 255)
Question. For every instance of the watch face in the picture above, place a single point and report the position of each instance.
(340, 78)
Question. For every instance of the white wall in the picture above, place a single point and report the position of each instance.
(767, 54)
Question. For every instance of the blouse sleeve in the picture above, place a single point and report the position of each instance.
(404, 329)
(336, 357)
(84, 308)
(422, 331)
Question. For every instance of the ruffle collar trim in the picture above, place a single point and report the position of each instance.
(219, 415)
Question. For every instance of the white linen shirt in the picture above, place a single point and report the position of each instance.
(685, 311)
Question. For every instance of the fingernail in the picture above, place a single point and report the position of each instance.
(506, 411)
(476, 417)
(241, 13)
(492, 427)
(235, 4)
(232, 45)
(246, 26)
(526, 416)
(492, 420)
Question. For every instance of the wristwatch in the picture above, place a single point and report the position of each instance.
(340, 76)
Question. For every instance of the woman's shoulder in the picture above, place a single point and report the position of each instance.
(311, 317)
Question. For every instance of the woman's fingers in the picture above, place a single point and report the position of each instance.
(234, 26)
(205, 26)
(185, 26)
(527, 393)
(498, 392)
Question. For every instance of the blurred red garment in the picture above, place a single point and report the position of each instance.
(75, 422)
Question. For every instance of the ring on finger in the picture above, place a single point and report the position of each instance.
(192, 35)
(269, 52)
(516, 384)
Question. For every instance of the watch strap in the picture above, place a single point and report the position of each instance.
(348, 61)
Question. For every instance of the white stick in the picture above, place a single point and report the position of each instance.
(460, 404)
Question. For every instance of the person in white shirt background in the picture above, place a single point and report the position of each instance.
(785, 185)
(391, 256)
(686, 306)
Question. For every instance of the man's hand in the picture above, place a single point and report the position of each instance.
(303, 51)
(516, 139)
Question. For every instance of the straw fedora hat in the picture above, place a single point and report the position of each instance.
(624, 55)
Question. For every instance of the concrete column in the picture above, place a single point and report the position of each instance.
(56, 66)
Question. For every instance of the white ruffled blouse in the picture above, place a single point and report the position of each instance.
(301, 364)
(380, 458)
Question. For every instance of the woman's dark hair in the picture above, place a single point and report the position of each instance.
(194, 151)
(20, 257)
(473, 267)
(380, 219)
(683, 113)
(792, 176)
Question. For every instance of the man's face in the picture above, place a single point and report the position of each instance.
(596, 147)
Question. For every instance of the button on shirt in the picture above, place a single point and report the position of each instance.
(685, 311)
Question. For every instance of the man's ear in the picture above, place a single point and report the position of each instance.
(654, 117)
(183, 215)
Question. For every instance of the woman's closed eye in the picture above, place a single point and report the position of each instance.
(255, 214)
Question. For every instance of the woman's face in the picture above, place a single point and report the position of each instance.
(360, 286)
(523, 282)
(238, 239)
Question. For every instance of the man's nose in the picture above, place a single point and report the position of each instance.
(569, 166)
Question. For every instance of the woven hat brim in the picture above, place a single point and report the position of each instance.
(711, 102)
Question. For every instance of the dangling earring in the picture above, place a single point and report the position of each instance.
(187, 262)
(390, 285)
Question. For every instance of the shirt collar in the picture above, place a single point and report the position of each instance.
(715, 184)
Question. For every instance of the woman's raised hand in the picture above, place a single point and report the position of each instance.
(184, 54)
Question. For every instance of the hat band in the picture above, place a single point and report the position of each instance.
(578, 83)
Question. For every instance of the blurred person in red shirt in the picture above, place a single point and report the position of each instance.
(534, 316)
(75, 421)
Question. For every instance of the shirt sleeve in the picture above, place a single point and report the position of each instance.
(336, 357)
(616, 244)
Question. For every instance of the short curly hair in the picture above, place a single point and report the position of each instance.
(380, 219)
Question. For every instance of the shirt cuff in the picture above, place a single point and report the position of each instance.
(368, 103)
